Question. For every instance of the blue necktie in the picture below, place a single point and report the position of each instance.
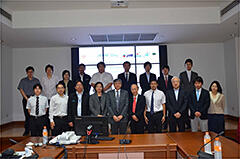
(198, 95)
(152, 103)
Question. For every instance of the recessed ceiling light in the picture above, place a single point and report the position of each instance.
(73, 39)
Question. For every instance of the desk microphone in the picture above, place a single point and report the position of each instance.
(204, 155)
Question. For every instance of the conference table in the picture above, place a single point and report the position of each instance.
(147, 146)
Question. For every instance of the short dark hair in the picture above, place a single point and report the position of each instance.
(116, 80)
(77, 82)
(189, 60)
(49, 66)
(153, 81)
(60, 83)
(166, 66)
(29, 68)
(81, 65)
(64, 72)
(101, 63)
(198, 79)
(37, 85)
(218, 86)
(147, 63)
(127, 62)
(96, 86)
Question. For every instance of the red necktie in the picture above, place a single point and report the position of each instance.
(134, 105)
(166, 81)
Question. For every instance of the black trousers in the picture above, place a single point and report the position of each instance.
(119, 127)
(155, 122)
(61, 125)
(37, 124)
(176, 122)
(137, 127)
(27, 116)
(216, 123)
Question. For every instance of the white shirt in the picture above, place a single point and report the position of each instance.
(81, 76)
(189, 75)
(165, 77)
(176, 91)
(79, 107)
(159, 100)
(43, 104)
(118, 93)
(58, 106)
(200, 91)
(49, 86)
(126, 75)
(104, 77)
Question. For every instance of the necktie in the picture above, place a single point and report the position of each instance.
(117, 100)
(198, 95)
(152, 103)
(37, 106)
(126, 76)
(166, 81)
(134, 105)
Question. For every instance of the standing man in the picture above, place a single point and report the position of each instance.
(118, 108)
(146, 78)
(58, 111)
(187, 84)
(78, 104)
(176, 103)
(199, 102)
(85, 78)
(37, 106)
(101, 76)
(155, 108)
(25, 87)
(128, 78)
(137, 104)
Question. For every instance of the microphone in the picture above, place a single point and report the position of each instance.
(204, 155)
(35, 156)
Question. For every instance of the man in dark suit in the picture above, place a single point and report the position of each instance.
(128, 78)
(176, 104)
(118, 108)
(147, 77)
(137, 104)
(164, 84)
(85, 78)
(186, 82)
(199, 102)
(78, 103)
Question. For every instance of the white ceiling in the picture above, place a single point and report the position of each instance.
(19, 5)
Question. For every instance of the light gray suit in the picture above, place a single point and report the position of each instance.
(122, 110)
(98, 107)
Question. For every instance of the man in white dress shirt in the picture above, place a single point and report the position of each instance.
(58, 111)
(102, 76)
(155, 108)
(37, 106)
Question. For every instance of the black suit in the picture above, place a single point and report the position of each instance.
(175, 106)
(144, 84)
(73, 103)
(126, 85)
(137, 127)
(70, 86)
(201, 106)
(187, 86)
(162, 84)
(86, 80)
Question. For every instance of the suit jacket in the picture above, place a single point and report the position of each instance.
(86, 80)
(73, 103)
(162, 85)
(174, 105)
(201, 106)
(184, 82)
(123, 105)
(70, 87)
(144, 84)
(97, 107)
(126, 85)
(140, 107)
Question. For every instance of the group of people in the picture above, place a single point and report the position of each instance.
(178, 102)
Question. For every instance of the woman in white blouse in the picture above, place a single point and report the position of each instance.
(216, 109)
